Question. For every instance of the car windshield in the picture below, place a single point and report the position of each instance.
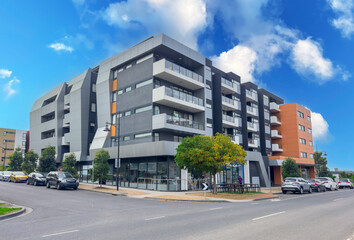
(290, 180)
(39, 175)
(311, 180)
(7, 174)
(19, 173)
(65, 175)
(45, 174)
(344, 180)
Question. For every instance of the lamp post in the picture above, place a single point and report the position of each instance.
(118, 137)
(3, 164)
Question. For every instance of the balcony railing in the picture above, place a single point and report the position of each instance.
(184, 122)
(251, 94)
(184, 71)
(230, 84)
(253, 142)
(183, 96)
(274, 107)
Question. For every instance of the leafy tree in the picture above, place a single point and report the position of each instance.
(352, 178)
(290, 169)
(101, 166)
(47, 161)
(16, 160)
(324, 172)
(208, 154)
(319, 161)
(69, 164)
(343, 174)
(30, 162)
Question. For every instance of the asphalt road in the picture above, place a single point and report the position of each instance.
(69, 214)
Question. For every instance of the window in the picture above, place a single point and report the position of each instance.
(23, 144)
(300, 114)
(208, 86)
(177, 139)
(141, 135)
(156, 110)
(114, 97)
(120, 92)
(115, 74)
(266, 114)
(309, 130)
(209, 125)
(128, 89)
(143, 109)
(302, 128)
(93, 87)
(311, 155)
(49, 100)
(208, 105)
(128, 66)
(24, 135)
(121, 70)
(302, 141)
(266, 100)
(127, 113)
(309, 118)
(303, 155)
(126, 138)
(142, 84)
(156, 137)
(144, 58)
(311, 143)
(93, 107)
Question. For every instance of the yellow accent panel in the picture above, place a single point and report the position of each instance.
(113, 131)
(114, 85)
(114, 107)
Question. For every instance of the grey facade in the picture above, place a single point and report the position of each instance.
(161, 91)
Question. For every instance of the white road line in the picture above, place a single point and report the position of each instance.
(337, 199)
(254, 203)
(148, 219)
(60, 233)
(270, 215)
(215, 208)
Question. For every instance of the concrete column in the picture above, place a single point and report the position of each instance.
(246, 173)
(184, 180)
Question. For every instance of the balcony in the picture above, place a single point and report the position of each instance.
(274, 107)
(276, 134)
(231, 122)
(237, 139)
(253, 143)
(253, 111)
(274, 120)
(64, 142)
(252, 126)
(176, 124)
(229, 104)
(277, 148)
(251, 95)
(177, 99)
(228, 87)
(178, 75)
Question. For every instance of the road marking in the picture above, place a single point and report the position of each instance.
(60, 233)
(254, 203)
(215, 208)
(275, 200)
(337, 199)
(148, 219)
(270, 215)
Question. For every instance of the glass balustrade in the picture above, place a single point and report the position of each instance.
(184, 71)
(184, 122)
(183, 96)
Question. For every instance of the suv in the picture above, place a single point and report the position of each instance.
(345, 183)
(329, 183)
(61, 180)
(295, 184)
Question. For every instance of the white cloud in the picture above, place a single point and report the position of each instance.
(9, 87)
(4, 73)
(320, 127)
(61, 47)
(344, 10)
(78, 2)
(180, 19)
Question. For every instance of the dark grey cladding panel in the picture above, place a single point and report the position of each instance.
(136, 123)
(249, 85)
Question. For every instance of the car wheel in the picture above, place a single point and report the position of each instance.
(301, 191)
(48, 185)
(310, 190)
(318, 189)
(75, 188)
(325, 189)
(58, 186)
(35, 183)
(284, 192)
(27, 182)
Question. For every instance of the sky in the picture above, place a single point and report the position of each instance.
(300, 50)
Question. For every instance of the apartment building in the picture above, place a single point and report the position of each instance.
(291, 137)
(10, 139)
(160, 91)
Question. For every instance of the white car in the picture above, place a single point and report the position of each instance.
(345, 183)
(329, 183)
(5, 176)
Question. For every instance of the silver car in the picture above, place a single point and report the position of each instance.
(345, 183)
(295, 184)
(5, 176)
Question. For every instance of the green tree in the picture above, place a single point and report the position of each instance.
(47, 161)
(319, 161)
(69, 165)
(290, 169)
(343, 174)
(16, 160)
(30, 162)
(101, 166)
(324, 172)
(208, 154)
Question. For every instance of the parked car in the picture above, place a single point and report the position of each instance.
(295, 184)
(345, 183)
(329, 183)
(5, 176)
(317, 185)
(36, 179)
(61, 180)
(18, 177)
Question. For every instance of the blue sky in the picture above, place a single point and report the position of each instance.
(301, 50)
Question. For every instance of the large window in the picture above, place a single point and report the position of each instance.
(302, 141)
(93, 107)
(142, 135)
(303, 155)
(301, 127)
(300, 114)
(309, 130)
(142, 84)
(309, 118)
(143, 109)
(311, 143)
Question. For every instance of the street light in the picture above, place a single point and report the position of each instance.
(118, 136)
(3, 165)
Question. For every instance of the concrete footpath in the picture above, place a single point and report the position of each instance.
(188, 196)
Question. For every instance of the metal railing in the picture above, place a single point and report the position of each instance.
(228, 118)
(239, 188)
(183, 96)
(184, 122)
(160, 184)
(184, 71)
(228, 100)
(251, 94)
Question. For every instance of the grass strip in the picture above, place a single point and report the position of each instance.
(5, 210)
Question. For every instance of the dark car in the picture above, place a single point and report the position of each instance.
(317, 185)
(36, 179)
(62, 180)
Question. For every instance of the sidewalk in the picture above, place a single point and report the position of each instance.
(193, 196)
